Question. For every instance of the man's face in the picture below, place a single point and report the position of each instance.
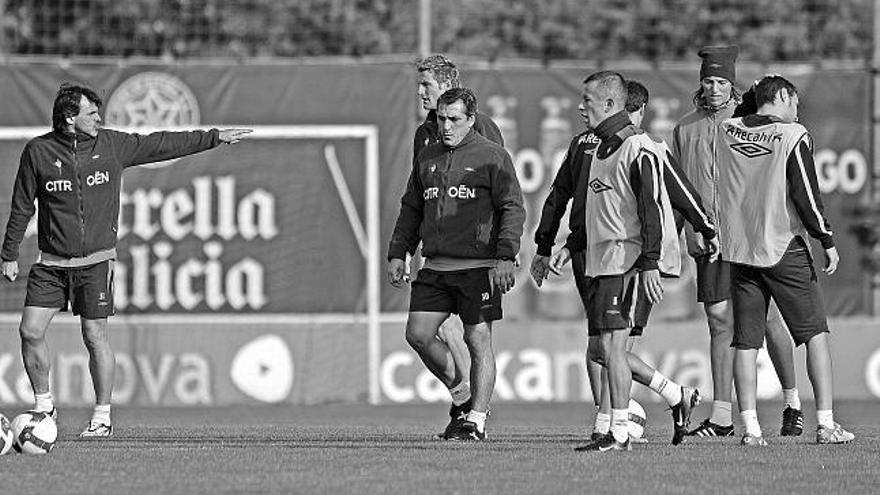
(429, 89)
(88, 120)
(790, 105)
(594, 109)
(453, 122)
(716, 90)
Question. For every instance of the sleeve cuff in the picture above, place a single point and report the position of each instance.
(827, 242)
(644, 264)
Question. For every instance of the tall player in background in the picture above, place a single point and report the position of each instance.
(437, 74)
(770, 195)
(463, 202)
(74, 173)
(693, 146)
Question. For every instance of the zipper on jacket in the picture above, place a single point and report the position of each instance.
(79, 197)
(444, 180)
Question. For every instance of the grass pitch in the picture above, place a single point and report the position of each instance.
(389, 450)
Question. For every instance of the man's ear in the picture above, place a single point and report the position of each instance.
(783, 96)
(69, 120)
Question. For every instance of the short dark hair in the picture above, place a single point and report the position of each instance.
(467, 97)
(636, 96)
(443, 70)
(747, 106)
(769, 86)
(611, 84)
(67, 103)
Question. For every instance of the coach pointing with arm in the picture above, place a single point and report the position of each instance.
(74, 173)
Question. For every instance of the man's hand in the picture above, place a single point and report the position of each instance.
(831, 260)
(713, 249)
(503, 275)
(396, 270)
(558, 260)
(540, 268)
(232, 136)
(652, 285)
(10, 270)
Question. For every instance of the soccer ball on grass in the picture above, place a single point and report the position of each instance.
(637, 419)
(34, 432)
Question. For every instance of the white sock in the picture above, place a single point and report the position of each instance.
(825, 417)
(101, 414)
(722, 414)
(668, 389)
(620, 424)
(603, 423)
(460, 393)
(43, 402)
(750, 421)
(791, 398)
(479, 419)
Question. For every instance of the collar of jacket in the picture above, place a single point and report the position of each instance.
(612, 125)
(470, 136)
(731, 103)
(67, 138)
(755, 120)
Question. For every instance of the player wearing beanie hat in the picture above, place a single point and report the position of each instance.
(719, 61)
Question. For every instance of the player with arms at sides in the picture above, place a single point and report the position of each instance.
(463, 202)
(770, 195)
(627, 229)
(437, 74)
(694, 147)
(74, 173)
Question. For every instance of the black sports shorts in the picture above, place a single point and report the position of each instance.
(581, 281)
(467, 293)
(792, 283)
(88, 289)
(713, 280)
(616, 302)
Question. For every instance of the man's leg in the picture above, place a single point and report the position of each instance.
(819, 370)
(35, 353)
(479, 341)
(781, 350)
(452, 335)
(421, 335)
(599, 387)
(619, 381)
(102, 367)
(720, 321)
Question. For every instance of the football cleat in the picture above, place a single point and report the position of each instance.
(467, 432)
(749, 440)
(825, 435)
(681, 413)
(710, 429)
(95, 429)
(792, 422)
(605, 444)
(457, 414)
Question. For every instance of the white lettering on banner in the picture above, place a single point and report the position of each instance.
(533, 374)
(185, 378)
(529, 166)
(241, 285)
(192, 211)
(872, 373)
(847, 173)
(387, 369)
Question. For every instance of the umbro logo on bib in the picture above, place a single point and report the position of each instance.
(750, 150)
(597, 186)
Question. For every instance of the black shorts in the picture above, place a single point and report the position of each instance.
(713, 280)
(88, 289)
(467, 293)
(581, 281)
(792, 283)
(616, 302)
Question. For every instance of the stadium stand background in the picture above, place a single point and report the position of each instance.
(778, 30)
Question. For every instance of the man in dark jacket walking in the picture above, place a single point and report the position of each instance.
(464, 203)
(74, 173)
